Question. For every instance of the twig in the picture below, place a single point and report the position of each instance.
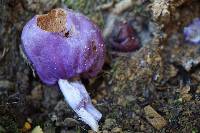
(106, 6)
(5, 50)
(122, 6)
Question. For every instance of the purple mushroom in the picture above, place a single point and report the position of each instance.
(192, 32)
(61, 46)
(124, 38)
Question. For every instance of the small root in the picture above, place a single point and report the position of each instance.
(5, 50)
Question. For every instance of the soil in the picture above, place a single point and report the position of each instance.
(153, 89)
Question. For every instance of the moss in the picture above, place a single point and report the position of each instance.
(194, 130)
(87, 7)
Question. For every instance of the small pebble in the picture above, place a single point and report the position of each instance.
(156, 120)
(37, 129)
(105, 131)
(94, 101)
(186, 97)
(91, 131)
(198, 89)
(116, 130)
(184, 93)
(27, 126)
(109, 123)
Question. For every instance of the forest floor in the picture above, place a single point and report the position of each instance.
(153, 89)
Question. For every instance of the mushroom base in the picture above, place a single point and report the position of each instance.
(77, 97)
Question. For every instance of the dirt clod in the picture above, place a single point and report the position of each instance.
(156, 120)
(109, 123)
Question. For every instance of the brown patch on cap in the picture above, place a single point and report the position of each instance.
(54, 21)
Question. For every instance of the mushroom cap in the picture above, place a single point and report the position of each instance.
(124, 39)
(54, 55)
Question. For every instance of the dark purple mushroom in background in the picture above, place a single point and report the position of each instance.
(62, 45)
(192, 31)
(124, 38)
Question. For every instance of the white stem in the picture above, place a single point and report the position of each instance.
(77, 97)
